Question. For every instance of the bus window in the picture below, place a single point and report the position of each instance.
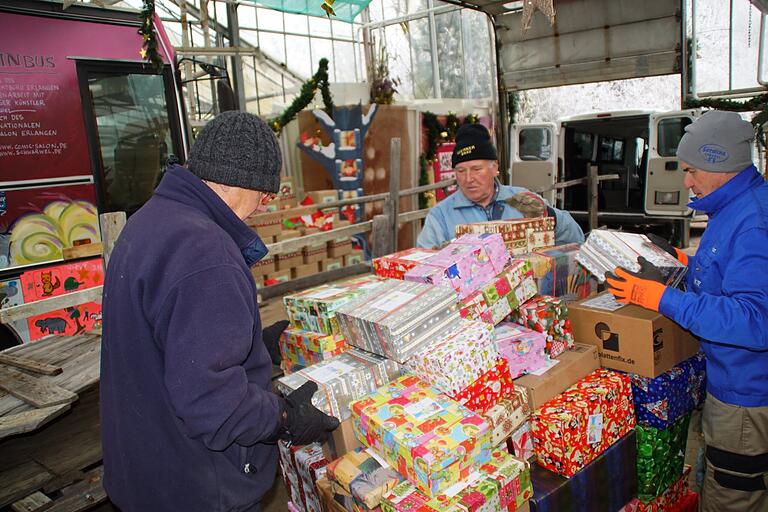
(535, 144)
(670, 132)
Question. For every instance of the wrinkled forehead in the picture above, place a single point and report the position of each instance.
(476, 164)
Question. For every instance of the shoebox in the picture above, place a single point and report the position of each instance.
(557, 273)
(362, 477)
(331, 264)
(263, 267)
(488, 389)
(520, 235)
(338, 249)
(288, 261)
(496, 300)
(304, 270)
(354, 258)
(576, 426)
(604, 485)
(559, 374)
(660, 457)
(676, 498)
(507, 416)
(315, 253)
(396, 265)
(631, 338)
(302, 348)
(548, 315)
(522, 348)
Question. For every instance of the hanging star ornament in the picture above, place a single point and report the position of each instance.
(531, 6)
(143, 53)
(327, 7)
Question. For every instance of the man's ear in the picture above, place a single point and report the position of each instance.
(495, 167)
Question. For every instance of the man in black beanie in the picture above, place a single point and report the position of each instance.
(189, 421)
(481, 197)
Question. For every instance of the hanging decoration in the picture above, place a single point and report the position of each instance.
(437, 133)
(757, 104)
(531, 6)
(306, 94)
(327, 6)
(148, 50)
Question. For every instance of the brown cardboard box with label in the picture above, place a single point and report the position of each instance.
(339, 249)
(263, 267)
(632, 339)
(572, 366)
(331, 264)
(285, 262)
(342, 440)
(305, 270)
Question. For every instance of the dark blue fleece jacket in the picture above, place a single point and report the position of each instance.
(186, 397)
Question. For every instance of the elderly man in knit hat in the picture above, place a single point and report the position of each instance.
(481, 197)
(189, 421)
(725, 305)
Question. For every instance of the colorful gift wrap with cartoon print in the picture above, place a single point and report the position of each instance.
(398, 318)
(519, 235)
(667, 501)
(661, 401)
(456, 359)
(300, 348)
(660, 457)
(497, 299)
(341, 379)
(490, 388)
(493, 245)
(501, 484)
(575, 427)
(520, 443)
(507, 416)
(426, 437)
(522, 348)
(547, 315)
(557, 273)
(315, 309)
(396, 265)
(363, 476)
(604, 485)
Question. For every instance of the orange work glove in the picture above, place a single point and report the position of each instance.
(662, 243)
(643, 288)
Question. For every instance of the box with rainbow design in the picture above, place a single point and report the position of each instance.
(300, 348)
(315, 309)
(576, 426)
(427, 437)
(501, 484)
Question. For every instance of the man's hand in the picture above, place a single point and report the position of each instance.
(303, 423)
(643, 288)
(662, 243)
(271, 337)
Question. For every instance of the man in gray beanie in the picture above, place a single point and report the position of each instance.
(189, 421)
(725, 305)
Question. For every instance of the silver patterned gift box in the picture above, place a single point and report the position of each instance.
(342, 379)
(605, 250)
(398, 318)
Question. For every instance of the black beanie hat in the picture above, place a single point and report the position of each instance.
(237, 149)
(473, 142)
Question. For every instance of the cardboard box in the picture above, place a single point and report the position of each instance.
(572, 366)
(268, 231)
(287, 234)
(320, 197)
(315, 254)
(263, 267)
(342, 440)
(280, 276)
(339, 249)
(632, 339)
(354, 258)
(305, 270)
(286, 262)
(331, 264)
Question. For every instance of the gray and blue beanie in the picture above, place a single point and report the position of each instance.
(718, 141)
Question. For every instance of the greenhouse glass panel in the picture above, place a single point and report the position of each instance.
(449, 54)
(345, 10)
(299, 59)
(421, 55)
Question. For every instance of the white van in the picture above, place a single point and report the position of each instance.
(639, 146)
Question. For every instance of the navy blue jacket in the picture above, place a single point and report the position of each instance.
(186, 397)
(726, 304)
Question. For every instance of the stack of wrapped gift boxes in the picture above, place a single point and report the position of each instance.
(520, 235)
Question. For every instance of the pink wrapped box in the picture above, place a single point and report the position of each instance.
(523, 348)
(493, 245)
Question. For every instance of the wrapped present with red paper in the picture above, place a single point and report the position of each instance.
(424, 435)
(519, 235)
(557, 273)
(508, 415)
(522, 348)
(677, 497)
(501, 484)
(302, 466)
(549, 315)
(464, 265)
(457, 357)
(575, 427)
(520, 443)
(396, 265)
(490, 388)
(300, 348)
(503, 294)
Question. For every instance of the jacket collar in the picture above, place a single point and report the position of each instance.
(178, 184)
(461, 200)
(718, 199)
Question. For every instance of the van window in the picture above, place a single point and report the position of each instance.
(611, 150)
(582, 145)
(535, 144)
(670, 132)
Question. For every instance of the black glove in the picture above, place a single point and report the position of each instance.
(662, 243)
(647, 271)
(303, 423)
(271, 337)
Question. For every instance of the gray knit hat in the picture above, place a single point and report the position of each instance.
(237, 149)
(718, 141)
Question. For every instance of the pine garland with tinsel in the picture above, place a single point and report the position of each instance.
(148, 49)
(757, 104)
(438, 133)
(306, 94)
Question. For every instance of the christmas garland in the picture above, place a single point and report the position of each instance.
(758, 103)
(148, 49)
(438, 133)
(308, 91)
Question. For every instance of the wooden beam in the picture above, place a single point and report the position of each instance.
(39, 307)
(83, 495)
(380, 238)
(296, 244)
(83, 251)
(19, 481)
(30, 364)
(394, 189)
(111, 226)
(28, 421)
(35, 502)
(592, 186)
(277, 290)
(427, 188)
(33, 390)
(578, 181)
